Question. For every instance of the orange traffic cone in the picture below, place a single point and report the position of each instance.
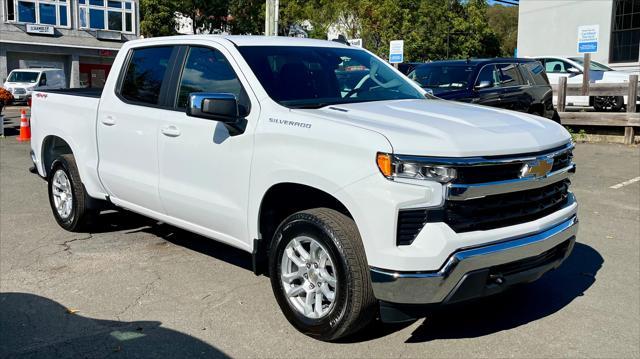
(25, 129)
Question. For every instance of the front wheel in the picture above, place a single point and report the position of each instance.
(319, 274)
(67, 195)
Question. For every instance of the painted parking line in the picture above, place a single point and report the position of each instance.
(620, 185)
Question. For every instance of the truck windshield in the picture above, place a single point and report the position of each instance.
(442, 77)
(23, 76)
(314, 77)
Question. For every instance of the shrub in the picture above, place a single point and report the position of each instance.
(5, 98)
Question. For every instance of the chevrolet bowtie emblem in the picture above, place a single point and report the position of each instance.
(537, 168)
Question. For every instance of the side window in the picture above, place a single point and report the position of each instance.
(207, 70)
(145, 73)
(509, 75)
(490, 74)
(555, 66)
(43, 79)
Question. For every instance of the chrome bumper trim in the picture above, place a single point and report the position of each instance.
(434, 287)
(463, 192)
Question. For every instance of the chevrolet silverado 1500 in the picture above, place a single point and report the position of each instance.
(361, 195)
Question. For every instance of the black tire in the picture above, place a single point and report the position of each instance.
(354, 305)
(80, 215)
(608, 103)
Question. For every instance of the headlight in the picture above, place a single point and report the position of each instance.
(394, 168)
(30, 88)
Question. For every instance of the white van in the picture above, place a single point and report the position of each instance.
(21, 82)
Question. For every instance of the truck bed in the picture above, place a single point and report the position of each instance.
(85, 92)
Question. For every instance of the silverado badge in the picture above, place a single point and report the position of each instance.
(536, 168)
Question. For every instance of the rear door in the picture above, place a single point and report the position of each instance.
(127, 129)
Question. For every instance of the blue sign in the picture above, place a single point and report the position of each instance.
(396, 58)
(396, 51)
(587, 47)
(588, 38)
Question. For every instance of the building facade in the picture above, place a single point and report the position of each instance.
(550, 28)
(81, 37)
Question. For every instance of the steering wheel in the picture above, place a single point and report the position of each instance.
(358, 87)
(373, 70)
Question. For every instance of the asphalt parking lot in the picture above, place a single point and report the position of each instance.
(137, 288)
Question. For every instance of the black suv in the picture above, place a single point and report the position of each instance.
(514, 84)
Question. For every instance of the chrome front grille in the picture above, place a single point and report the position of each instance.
(491, 193)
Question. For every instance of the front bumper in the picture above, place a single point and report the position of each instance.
(481, 270)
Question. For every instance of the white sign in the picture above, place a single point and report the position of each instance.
(355, 42)
(396, 51)
(40, 29)
(588, 38)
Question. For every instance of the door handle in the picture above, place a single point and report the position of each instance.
(108, 121)
(171, 131)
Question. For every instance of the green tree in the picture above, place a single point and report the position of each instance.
(157, 18)
(246, 17)
(207, 16)
(504, 22)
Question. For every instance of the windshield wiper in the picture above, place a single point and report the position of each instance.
(311, 105)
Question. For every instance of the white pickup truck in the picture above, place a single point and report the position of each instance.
(358, 193)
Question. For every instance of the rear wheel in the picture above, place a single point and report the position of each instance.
(319, 274)
(608, 103)
(67, 195)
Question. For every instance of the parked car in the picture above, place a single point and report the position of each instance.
(573, 69)
(407, 67)
(513, 84)
(375, 201)
(22, 82)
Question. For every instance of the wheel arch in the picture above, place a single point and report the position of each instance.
(282, 200)
(53, 146)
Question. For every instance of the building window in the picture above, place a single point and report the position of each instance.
(115, 15)
(45, 12)
(625, 32)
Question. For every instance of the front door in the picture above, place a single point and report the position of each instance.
(490, 92)
(204, 170)
(128, 131)
(514, 94)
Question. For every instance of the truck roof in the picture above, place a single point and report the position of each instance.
(36, 69)
(256, 40)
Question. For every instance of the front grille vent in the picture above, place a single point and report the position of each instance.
(502, 210)
(410, 223)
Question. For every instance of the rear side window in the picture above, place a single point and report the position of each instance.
(536, 72)
(145, 73)
(207, 70)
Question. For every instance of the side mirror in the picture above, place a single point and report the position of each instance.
(483, 85)
(573, 71)
(221, 107)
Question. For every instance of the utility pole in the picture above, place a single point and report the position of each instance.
(271, 18)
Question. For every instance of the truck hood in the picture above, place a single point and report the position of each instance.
(449, 129)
